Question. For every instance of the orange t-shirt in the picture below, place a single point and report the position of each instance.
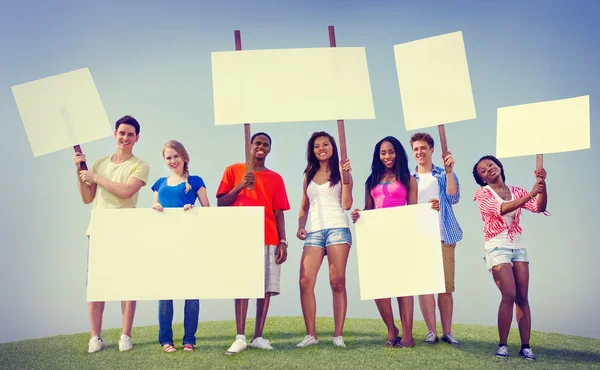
(269, 192)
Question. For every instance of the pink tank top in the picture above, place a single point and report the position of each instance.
(391, 194)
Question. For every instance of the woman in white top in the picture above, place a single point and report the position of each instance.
(324, 198)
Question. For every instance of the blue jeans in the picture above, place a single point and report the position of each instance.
(191, 312)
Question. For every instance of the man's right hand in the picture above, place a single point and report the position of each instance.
(247, 180)
(78, 158)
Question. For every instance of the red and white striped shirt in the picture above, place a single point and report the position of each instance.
(490, 207)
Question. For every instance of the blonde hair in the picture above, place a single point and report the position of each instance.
(180, 149)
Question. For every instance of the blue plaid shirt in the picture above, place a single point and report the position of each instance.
(452, 231)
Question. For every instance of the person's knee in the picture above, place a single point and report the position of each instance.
(338, 283)
(522, 299)
(307, 284)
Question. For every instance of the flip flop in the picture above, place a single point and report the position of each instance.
(393, 342)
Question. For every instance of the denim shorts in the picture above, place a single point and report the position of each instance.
(498, 255)
(327, 237)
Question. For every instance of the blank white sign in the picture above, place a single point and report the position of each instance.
(290, 85)
(399, 252)
(205, 253)
(434, 80)
(546, 127)
(61, 111)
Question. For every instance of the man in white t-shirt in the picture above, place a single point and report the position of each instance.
(113, 182)
(439, 185)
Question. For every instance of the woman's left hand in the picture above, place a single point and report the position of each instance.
(541, 173)
(345, 166)
(187, 207)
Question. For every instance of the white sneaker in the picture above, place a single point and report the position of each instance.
(261, 343)
(307, 341)
(339, 342)
(238, 346)
(125, 343)
(95, 345)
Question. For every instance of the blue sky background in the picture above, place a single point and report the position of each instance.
(153, 61)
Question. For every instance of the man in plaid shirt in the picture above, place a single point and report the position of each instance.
(439, 185)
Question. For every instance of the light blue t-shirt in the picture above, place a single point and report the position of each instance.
(175, 196)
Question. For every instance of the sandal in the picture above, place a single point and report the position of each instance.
(398, 344)
(168, 348)
(393, 342)
(188, 347)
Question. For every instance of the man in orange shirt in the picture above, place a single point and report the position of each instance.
(269, 192)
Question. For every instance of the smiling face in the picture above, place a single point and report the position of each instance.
(126, 137)
(322, 148)
(488, 171)
(173, 160)
(422, 152)
(387, 154)
(261, 147)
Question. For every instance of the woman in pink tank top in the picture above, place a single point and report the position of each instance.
(391, 185)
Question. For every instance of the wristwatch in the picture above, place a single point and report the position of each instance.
(284, 242)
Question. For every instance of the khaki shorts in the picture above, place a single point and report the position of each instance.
(272, 271)
(448, 256)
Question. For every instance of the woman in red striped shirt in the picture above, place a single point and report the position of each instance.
(506, 257)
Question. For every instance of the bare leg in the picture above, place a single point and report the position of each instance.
(241, 310)
(96, 310)
(521, 273)
(503, 276)
(407, 307)
(127, 315)
(312, 257)
(262, 307)
(446, 304)
(384, 306)
(427, 304)
(337, 255)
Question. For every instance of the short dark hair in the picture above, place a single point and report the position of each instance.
(260, 133)
(478, 179)
(128, 120)
(422, 136)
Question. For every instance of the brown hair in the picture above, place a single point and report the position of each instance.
(422, 136)
(180, 149)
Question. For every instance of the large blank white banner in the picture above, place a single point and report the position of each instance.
(290, 85)
(61, 111)
(434, 80)
(399, 252)
(546, 127)
(204, 253)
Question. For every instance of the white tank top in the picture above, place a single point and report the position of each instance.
(325, 209)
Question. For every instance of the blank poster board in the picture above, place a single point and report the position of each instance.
(434, 80)
(290, 85)
(204, 253)
(399, 239)
(546, 127)
(61, 111)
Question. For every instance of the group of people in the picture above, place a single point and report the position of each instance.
(114, 181)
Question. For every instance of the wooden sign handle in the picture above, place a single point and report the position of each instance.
(247, 134)
(539, 161)
(340, 122)
(82, 165)
(443, 142)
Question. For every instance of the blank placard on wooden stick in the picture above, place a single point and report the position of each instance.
(399, 239)
(289, 85)
(435, 86)
(61, 111)
(203, 253)
(541, 128)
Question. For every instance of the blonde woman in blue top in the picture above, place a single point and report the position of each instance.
(180, 190)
